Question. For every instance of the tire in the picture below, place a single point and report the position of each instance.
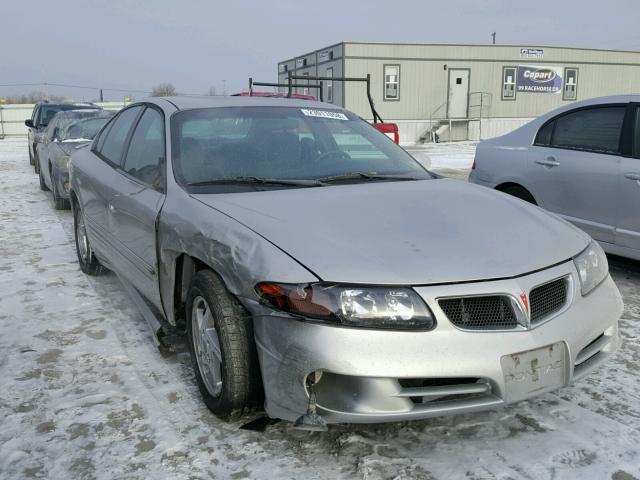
(89, 264)
(43, 185)
(521, 193)
(36, 163)
(59, 202)
(239, 389)
(31, 161)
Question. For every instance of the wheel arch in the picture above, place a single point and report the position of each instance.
(185, 267)
(504, 186)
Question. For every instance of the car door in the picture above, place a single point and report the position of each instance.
(136, 199)
(574, 165)
(97, 177)
(44, 151)
(32, 130)
(628, 224)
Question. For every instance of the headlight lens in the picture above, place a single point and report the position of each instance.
(64, 163)
(592, 267)
(359, 306)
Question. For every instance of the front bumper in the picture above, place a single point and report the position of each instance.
(369, 376)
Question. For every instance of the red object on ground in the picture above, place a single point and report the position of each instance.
(388, 129)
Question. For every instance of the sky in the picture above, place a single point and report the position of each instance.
(131, 45)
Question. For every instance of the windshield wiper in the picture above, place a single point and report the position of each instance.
(364, 176)
(259, 180)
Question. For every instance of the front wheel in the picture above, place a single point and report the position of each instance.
(43, 185)
(220, 334)
(89, 264)
(31, 161)
(59, 202)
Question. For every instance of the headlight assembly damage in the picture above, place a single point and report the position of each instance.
(355, 306)
(592, 267)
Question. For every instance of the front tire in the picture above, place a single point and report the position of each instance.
(31, 160)
(223, 353)
(59, 202)
(89, 264)
(43, 185)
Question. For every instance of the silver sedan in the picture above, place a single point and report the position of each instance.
(324, 275)
(581, 161)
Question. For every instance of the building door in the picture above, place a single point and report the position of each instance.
(458, 101)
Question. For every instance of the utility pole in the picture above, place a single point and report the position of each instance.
(101, 96)
(493, 38)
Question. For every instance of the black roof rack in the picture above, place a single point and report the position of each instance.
(290, 86)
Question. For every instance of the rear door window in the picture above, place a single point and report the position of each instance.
(145, 158)
(112, 147)
(592, 129)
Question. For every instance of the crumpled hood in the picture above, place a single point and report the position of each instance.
(411, 233)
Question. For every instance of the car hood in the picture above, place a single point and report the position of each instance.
(410, 233)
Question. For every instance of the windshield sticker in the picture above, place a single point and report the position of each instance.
(324, 114)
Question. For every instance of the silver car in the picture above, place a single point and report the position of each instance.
(66, 132)
(322, 273)
(581, 161)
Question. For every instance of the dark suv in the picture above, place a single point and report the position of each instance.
(42, 114)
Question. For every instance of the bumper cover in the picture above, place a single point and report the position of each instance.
(367, 374)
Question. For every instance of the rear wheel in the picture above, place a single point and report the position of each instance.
(89, 264)
(220, 334)
(521, 193)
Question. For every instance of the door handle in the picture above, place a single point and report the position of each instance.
(632, 176)
(548, 162)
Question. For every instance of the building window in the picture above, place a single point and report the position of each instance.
(392, 82)
(570, 89)
(330, 85)
(509, 83)
(305, 90)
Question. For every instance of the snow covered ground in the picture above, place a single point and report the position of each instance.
(444, 157)
(85, 394)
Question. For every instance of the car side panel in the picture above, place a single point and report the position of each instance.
(579, 188)
(239, 255)
(91, 182)
(628, 223)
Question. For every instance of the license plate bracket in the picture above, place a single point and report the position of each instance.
(534, 371)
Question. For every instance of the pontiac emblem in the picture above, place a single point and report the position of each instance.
(525, 302)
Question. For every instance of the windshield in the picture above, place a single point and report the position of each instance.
(216, 144)
(47, 112)
(84, 129)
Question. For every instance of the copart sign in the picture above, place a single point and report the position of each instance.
(537, 79)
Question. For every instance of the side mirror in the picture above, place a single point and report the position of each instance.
(29, 123)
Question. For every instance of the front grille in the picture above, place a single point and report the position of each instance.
(480, 313)
(547, 299)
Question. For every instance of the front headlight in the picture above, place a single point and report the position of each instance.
(592, 267)
(391, 308)
(64, 163)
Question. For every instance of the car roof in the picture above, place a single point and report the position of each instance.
(75, 104)
(192, 102)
